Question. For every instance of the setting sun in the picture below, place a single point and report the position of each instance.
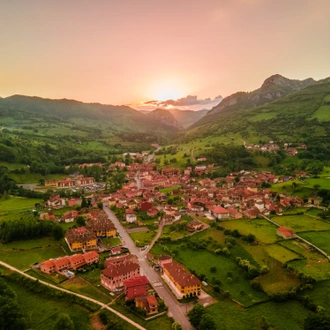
(167, 89)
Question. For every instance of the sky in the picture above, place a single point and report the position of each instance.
(151, 53)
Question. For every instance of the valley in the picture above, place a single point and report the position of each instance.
(238, 196)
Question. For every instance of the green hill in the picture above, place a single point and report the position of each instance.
(293, 117)
(113, 119)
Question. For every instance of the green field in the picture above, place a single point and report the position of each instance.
(315, 264)
(278, 279)
(264, 231)
(280, 253)
(143, 238)
(323, 112)
(81, 286)
(18, 203)
(112, 241)
(318, 267)
(323, 182)
(302, 223)
(320, 294)
(320, 239)
(41, 312)
(263, 116)
(22, 254)
(288, 315)
(12, 166)
(201, 261)
(173, 234)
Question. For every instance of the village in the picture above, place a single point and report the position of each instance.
(243, 194)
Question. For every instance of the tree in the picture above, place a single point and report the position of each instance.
(207, 322)
(58, 232)
(63, 322)
(263, 324)
(81, 221)
(10, 314)
(176, 326)
(196, 314)
(317, 322)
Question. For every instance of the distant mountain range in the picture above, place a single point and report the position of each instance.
(277, 98)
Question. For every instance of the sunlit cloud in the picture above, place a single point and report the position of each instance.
(190, 102)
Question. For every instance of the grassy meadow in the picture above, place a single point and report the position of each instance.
(42, 312)
(300, 223)
(264, 231)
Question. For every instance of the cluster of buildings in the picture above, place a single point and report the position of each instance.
(55, 201)
(63, 264)
(273, 147)
(240, 194)
(77, 181)
(123, 273)
(85, 238)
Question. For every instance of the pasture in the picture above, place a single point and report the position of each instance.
(264, 231)
(143, 238)
(201, 261)
(320, 239)
(314, 264)
(81, 286)
(42, 312)
(265, 115)
(278, 279)
(286, 315)
(18, 203)
(22, 254)
(302, 222)
(320, 294)
(318, 267)
(280, 253)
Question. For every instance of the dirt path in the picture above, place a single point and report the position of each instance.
(138, 326)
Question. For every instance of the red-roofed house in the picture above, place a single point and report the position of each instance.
(48, 267)
(149, 304)
(76, 261)
(136, 287)
(115, 250)
(91, 257)
(285, 232)
(118, 270)
(152, 212)
(61, 264)
(145, 206)
(220, 212)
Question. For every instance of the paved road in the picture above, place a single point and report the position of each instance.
(76, 294)
(176, 310)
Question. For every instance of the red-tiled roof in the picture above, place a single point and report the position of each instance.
(180, 275)
(114, 270)
(219, 210)
(141, 280)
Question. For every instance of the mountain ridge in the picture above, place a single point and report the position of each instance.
(274, 87)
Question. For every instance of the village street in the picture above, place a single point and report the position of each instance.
(176, 310)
